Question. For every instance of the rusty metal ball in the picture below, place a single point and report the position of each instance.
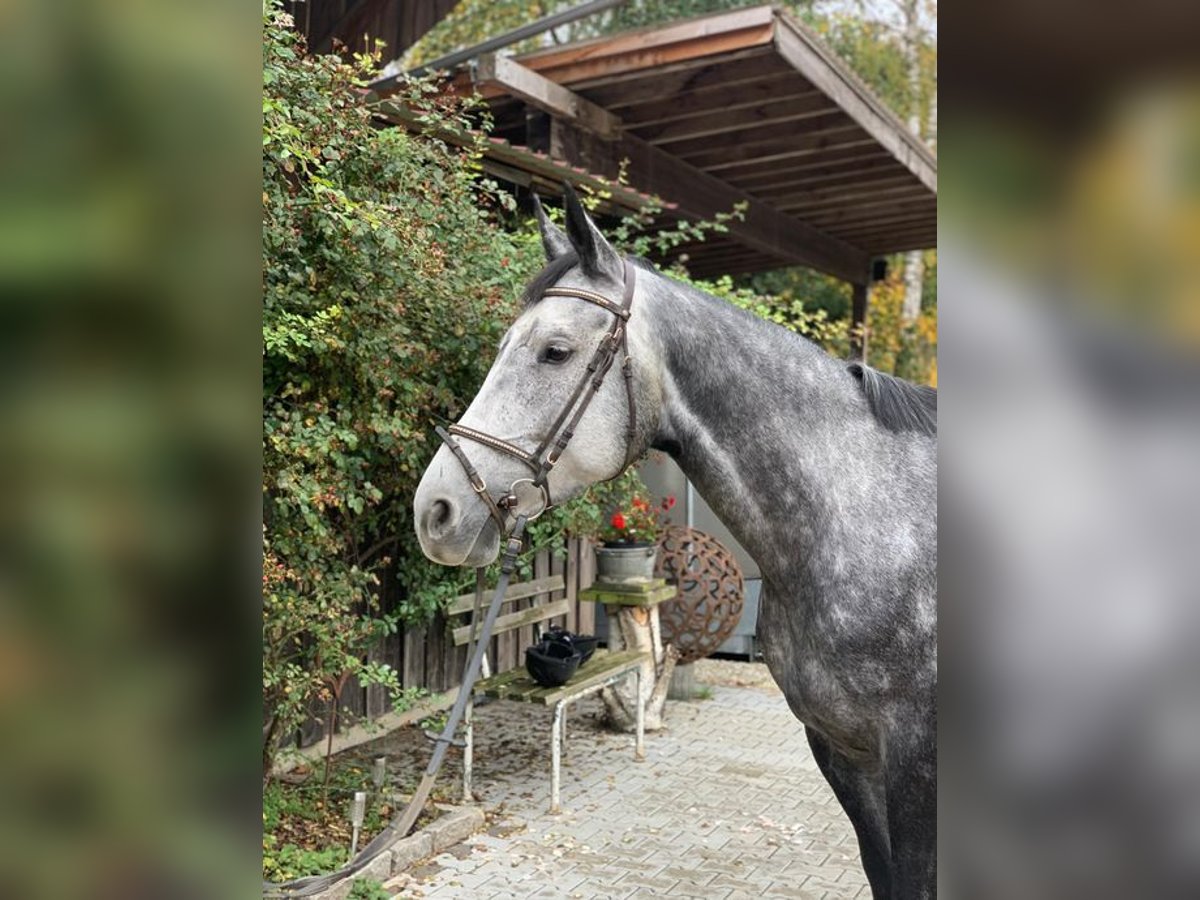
(711, 592)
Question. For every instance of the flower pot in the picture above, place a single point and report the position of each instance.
(623, 563)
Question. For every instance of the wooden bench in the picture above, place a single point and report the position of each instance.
(601, 670)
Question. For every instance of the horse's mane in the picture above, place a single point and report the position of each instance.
(898, 405)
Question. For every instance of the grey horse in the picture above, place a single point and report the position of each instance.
(826, 472)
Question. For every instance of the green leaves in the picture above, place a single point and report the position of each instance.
(387, 283)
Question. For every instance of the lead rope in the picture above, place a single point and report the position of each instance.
(403, 823)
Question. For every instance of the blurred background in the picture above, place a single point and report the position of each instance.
(1069, 282)
(1069, 279)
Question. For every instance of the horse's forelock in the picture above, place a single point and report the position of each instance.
(557, 268)
(548, 277)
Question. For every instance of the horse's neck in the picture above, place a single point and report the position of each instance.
(760, 421)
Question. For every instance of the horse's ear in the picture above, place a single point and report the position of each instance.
(554, 240)
(596, 255)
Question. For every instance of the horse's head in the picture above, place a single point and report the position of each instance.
(539, 376)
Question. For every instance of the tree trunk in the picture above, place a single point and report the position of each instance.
(914, 261)
(636, 628)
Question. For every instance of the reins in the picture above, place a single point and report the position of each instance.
(540, 462)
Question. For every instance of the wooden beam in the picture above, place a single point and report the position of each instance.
(770, 134)
(702, 196)
(549, 96)
(810, 106)
(868, 198)
(538, 165)
(798, 185)
(874, 157)
(831, 75)
(823, 145)
(904, 244)
(696, 193)
(657, 45)
(891, 232)
(771, 89)
(685, 79)
(855, 221)
(856, 207)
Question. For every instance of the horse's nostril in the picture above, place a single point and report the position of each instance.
(440, 518)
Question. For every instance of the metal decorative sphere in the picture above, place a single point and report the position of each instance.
(711, 592)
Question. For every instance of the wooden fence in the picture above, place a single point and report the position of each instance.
(425, 657)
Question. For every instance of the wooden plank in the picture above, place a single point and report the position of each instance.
(715, 157)
(466, 602)
(666, 109)
(868, 209)
(650, 47)
(413, 657)
(765, 133)
(624, 94)
(847, 188)
(509, 621)
(571, 577)
(598, 594)
(434, 642)
(516, 685)
(820, 66)
(500, 150)
(834, 163)
(784, 151)
(377, 701)
(901, 244)
(543, 565)
(885, 226)
(880, 197)
(764, 228)
(802, 183)
(869, 223)
(587, 576)
(722, 120)
(546, 95)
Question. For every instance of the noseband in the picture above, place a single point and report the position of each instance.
(548, 452)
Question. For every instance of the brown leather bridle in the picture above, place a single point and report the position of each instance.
(551, 448)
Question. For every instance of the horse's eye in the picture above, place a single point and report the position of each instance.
(555, 353)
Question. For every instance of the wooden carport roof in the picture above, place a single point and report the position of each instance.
(745, 106)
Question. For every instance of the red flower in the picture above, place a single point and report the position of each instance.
(669, 502)
(618, 521)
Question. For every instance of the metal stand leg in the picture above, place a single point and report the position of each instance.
(555, 756)
(566, 715)
(468, 750)
(639, 752)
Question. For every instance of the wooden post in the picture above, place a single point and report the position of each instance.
(858, 321)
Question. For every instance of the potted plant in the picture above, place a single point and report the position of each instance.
(628, 540)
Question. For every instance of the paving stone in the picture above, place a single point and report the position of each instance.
(730, 804)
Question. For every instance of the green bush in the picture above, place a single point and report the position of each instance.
(387, 282)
